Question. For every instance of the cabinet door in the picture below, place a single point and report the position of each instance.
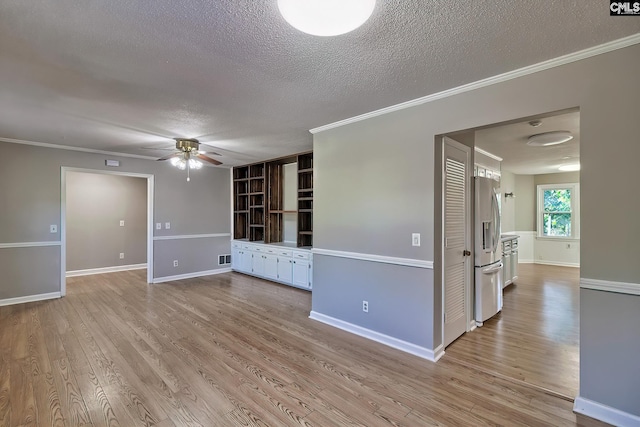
(285, 269)
(245, 261)
(235, 259)
(270, 266)
(301, 270)
(257, 264)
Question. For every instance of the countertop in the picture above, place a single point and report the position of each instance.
(288, 245)
(505, 237)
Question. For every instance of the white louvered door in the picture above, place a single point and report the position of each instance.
(456, 231)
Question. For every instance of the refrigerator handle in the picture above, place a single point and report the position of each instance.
(496, 213)
(492, 270)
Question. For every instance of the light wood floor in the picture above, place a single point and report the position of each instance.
(535, 339)
(231, 350)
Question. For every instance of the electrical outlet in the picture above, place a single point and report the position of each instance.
(568, 245)
(53, 228)
(175, 262)
(365, 306)
(415, 239)
(167, 225)
(122, 223)
(158, 226)
(121, 255)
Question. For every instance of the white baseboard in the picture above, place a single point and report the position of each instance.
(609, 286)
(526, 261)
(425, 353)
(191, 275)
(557, 264)
(29, 298)
(605, 413)
(103, 270)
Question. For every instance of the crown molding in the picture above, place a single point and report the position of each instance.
(72, 148)
(510, 75)
(488, 154)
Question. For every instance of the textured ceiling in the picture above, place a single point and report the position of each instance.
(121, 75)
(510, 142)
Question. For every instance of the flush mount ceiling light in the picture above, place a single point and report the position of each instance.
(326, 17)
(549, 138)
(569, 168)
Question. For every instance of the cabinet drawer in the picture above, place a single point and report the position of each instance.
(236, 245)
(283, 252)
(514, 244)
(259, 249)
(506, 245)
(247, 247)
(301, 255)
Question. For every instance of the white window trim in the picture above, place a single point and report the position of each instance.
(575, 210)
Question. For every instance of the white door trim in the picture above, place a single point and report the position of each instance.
(470, 323)
(63, 218)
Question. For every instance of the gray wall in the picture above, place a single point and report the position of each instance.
(525, 203)
(32, 202)
(526, 191)
(375, 185)
(507, 185)
(609, 349)
(95, 205)
(556, 178)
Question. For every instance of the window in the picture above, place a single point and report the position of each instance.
(558, 211)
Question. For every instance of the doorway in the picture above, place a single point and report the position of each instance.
(534, 340)
(68, 174)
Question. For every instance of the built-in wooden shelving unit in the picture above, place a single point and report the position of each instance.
(258, 209)
(305, 199)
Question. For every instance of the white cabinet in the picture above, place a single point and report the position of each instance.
(285, 269)
(509, 260)
(301, 269)
(301, 273)
(270, 266)
(272, 262)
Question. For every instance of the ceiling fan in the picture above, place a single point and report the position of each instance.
(189, 156)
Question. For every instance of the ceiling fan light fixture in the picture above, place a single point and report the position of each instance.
(326, 17)
(549, 138)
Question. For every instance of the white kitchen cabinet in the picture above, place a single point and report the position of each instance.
(509, 260)
(277, 262)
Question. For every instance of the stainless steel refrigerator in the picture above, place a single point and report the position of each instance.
(488, 264)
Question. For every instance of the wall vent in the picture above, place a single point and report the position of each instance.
(224, 259)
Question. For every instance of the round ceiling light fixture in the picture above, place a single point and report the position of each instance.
(326, 17)
(569, 168)
(549, 138)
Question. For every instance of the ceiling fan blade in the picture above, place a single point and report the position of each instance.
(208, 159)
(169, 156)
(213, 153)
(158, 149)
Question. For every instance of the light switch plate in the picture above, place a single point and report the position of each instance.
(167, 225)
(121, 255)
(415, 239)
(158, 226)
(122, 223)
(53, 228)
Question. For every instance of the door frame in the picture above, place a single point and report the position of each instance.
(63, 218)
(469, 309)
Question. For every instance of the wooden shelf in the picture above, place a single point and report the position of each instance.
(305, 210)
(307, 233)
(256, 225)
(300, 190)
(305, 170)
(305, 198)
